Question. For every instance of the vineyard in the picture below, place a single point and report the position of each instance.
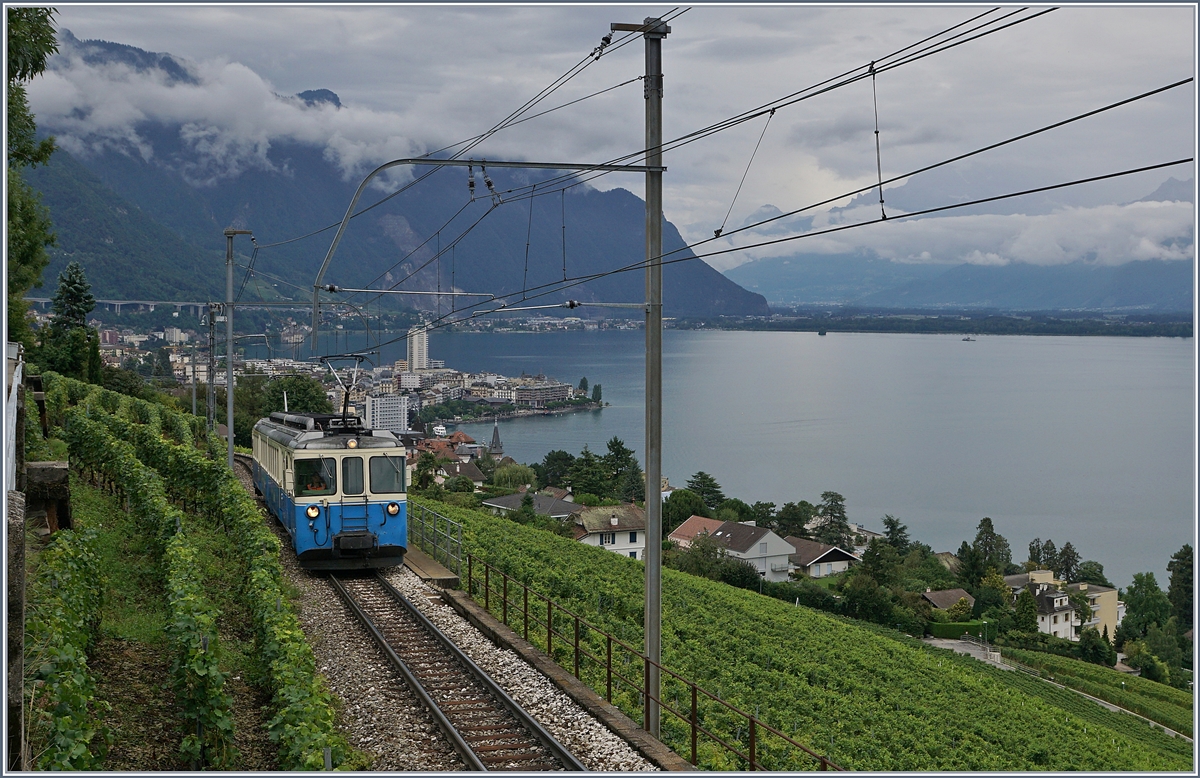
(868, 700)
(1170, 707)
(149, 458)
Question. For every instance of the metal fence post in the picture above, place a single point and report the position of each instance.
(470, 577)
(504, 601)
(549, 627)
(576, 646)
(487, 587)
(525, 608)
(753, 745)
(695, 724)
(608, 665)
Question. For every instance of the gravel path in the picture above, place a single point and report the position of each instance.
(380, 716)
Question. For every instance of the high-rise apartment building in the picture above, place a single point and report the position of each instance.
(390, 411)
(418, 349)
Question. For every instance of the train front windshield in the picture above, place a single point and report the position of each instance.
(387, 475)
(315, 477)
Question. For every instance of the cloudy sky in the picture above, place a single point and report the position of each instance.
(416, 78)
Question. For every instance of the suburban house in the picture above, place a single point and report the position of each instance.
(944, 598)
(1055, 616)
(817, 560)
(759, 546)
(695, 525)
(543, 505)
(619, 528)
(1107, 610)
(454, 469)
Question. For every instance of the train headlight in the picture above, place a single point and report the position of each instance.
(393, 509)
(352, 443)
(312, 512)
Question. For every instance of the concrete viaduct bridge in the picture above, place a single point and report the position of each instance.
(139, 305)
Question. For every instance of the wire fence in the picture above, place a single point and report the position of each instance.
(694, 720)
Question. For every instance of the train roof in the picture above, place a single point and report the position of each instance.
(323, 431)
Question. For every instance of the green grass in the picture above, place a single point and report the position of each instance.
(135, 605)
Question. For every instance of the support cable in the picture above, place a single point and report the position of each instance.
(554, 288)
(878, 162)
(528, 235)
(563, 195)
(719, 230)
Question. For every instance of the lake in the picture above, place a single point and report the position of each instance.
(1087, 440)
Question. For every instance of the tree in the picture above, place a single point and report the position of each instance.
(1092, 572)
(1049, 555)
(1067, 565)
(588, 475)
(557, 464)
(305, 394)
(737, 509)
(793, 518)
(1081, 607)
(1095, 649)
(833, 527)
(679, 506)
(632, 486)
(991, 546)
(863, 598)
(896, 533)
(597, 393)
(1145, 604)
(31, 41)
(881, 562)
(707, 488)
(619, 460)
(1034, 562)
(514, 475)
(526, 513)
(764, 513)
(460, 483)
(739, 573)
(67, 344)
(1179, 587)
(1026, 612)
(583, 385)
(1163, 641)
(971, 566)
(116, 379)
(427, 465)
(960, 611)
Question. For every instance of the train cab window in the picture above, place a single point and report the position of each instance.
(316, 477)
(352, 475)
(387, 475)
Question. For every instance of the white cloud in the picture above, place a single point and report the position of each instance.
(1104, 235)
(415, 78)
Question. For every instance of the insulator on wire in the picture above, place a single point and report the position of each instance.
(471, 180)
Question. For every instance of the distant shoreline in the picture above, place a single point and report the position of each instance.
(519, 414)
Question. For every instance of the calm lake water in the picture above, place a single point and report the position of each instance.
(1087, 440)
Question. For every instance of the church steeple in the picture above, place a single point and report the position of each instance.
(496, 449)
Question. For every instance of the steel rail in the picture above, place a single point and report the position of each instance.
(568, 760)
(456, 739)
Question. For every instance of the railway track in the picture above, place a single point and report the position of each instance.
(487, 728)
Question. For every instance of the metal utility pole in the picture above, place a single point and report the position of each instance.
(210, 394)
(229, 233)
(193, 378)
(653, 30)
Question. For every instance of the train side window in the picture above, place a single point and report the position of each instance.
(316, 476)
(387, 475)
(352, 475)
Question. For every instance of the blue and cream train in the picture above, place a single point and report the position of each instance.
(337, 487)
